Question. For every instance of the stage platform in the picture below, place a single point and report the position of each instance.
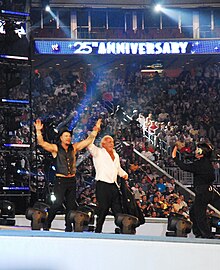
(24, 249)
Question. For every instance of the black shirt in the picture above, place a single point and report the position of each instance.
(202, 170)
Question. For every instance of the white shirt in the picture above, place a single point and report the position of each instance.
(106, 168)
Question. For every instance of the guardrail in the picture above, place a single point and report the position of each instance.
(177, 173)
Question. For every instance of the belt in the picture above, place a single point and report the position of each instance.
(65, 176)
(100, 181)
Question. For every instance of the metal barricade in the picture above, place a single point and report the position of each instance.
(184, 177)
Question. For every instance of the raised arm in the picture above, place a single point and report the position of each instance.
(90, 139)
(52, 148)
(190, 167)
(174, 151)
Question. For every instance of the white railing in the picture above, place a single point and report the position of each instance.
(177, 173)
(165, 150)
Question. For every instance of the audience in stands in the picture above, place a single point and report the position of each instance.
(182, 110)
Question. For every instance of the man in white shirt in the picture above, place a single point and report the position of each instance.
(107, 166)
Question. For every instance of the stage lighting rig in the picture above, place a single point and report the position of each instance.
(38, 215)
(81, 218)
(127, 223)
(178, 225)
(215, 223)
(88, 226)
(7, 213)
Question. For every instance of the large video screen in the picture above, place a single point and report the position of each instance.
(127, 48)
(13, 40)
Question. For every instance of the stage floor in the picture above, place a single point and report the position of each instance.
(24, 249)
(26, 231)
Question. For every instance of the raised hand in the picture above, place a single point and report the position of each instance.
(98, 123)
(38, 125)
(97, 126)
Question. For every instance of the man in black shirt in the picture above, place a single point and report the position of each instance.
(203, 173)
(64, 154)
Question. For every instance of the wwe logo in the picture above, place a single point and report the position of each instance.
(55, 47)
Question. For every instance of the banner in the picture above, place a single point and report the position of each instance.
(127, 47)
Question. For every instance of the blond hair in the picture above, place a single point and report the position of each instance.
(104, 139)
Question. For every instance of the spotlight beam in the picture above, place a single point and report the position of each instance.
(47, 8)
(158, 8)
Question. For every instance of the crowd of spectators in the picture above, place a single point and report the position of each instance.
(111, 33)
(181, 110)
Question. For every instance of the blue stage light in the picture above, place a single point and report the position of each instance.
(9, 12)
(18, 101)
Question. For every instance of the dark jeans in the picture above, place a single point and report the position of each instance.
(108, 196)
(64, 191)
(198, 211)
